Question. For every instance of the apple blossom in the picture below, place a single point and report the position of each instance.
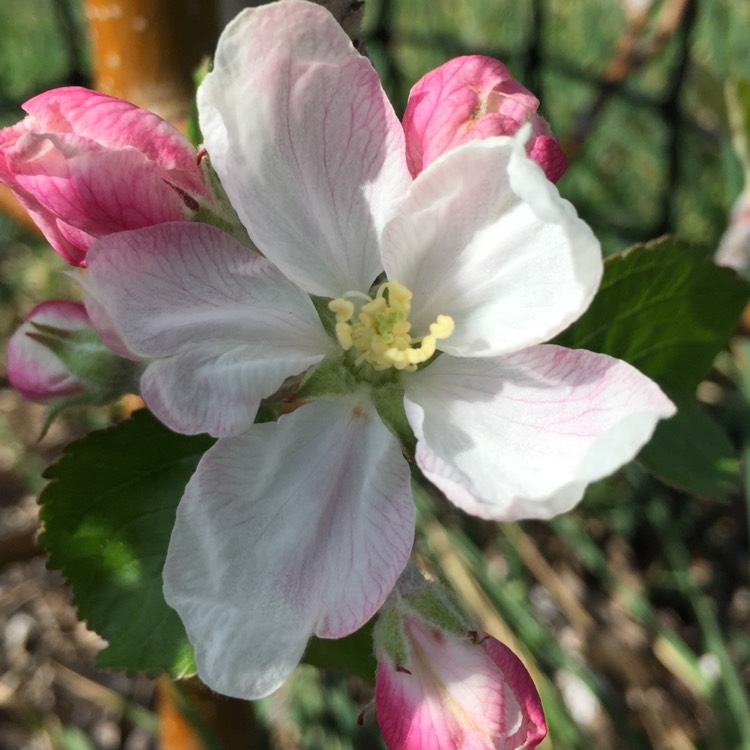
(57, 358)
(441, 684)
(85, 165)
(387, 305)
(474, 97)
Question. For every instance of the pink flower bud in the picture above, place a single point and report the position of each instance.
(469, 98)
(86, 165)
(440, 684)
(456, 693)
(57, 358)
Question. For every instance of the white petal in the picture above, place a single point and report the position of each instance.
(306, 144)
(521, 436)
(484, 237)
(224, 326)
(295, 527)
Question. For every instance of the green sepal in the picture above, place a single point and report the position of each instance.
(417, 598)
(84, 355)
(57, 407)
(220, 213)
(193, 127)
(103, 375)
(389, 402)
(330, 378)
(388, 636)
(437, 606)
(433, 602)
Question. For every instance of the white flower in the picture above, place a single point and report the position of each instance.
(303, 525)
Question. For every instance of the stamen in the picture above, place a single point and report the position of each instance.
(381, 332)
(343, 309)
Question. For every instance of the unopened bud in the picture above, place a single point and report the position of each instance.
(56, 357)
(135, 168)
(469, 98)
(441, 685)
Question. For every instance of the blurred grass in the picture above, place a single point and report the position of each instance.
(633, 612)
(40, 47)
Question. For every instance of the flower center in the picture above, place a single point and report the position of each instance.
(380, 335)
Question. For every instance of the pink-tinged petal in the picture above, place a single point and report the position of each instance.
(470, 98)
(117, 124)
(76, 237)
(69, 245)
(294, 527)
(224, 327)
(305, 142)
(457, 695)
(32, 368)
(49, 224)
(546, 152)
(521, 436)
(97, 191)
(483, 237)
(106, 328)
(517, 677)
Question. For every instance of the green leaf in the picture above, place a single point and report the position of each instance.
(108, 513)
(668, 310)
(389, 401)
(693, 453)
(665, 308)
(351, 655)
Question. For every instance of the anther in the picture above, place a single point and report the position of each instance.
(381, 331)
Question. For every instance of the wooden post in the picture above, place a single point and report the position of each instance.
(192, 717)
(145, 51)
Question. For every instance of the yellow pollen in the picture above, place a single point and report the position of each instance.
(381, 332)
